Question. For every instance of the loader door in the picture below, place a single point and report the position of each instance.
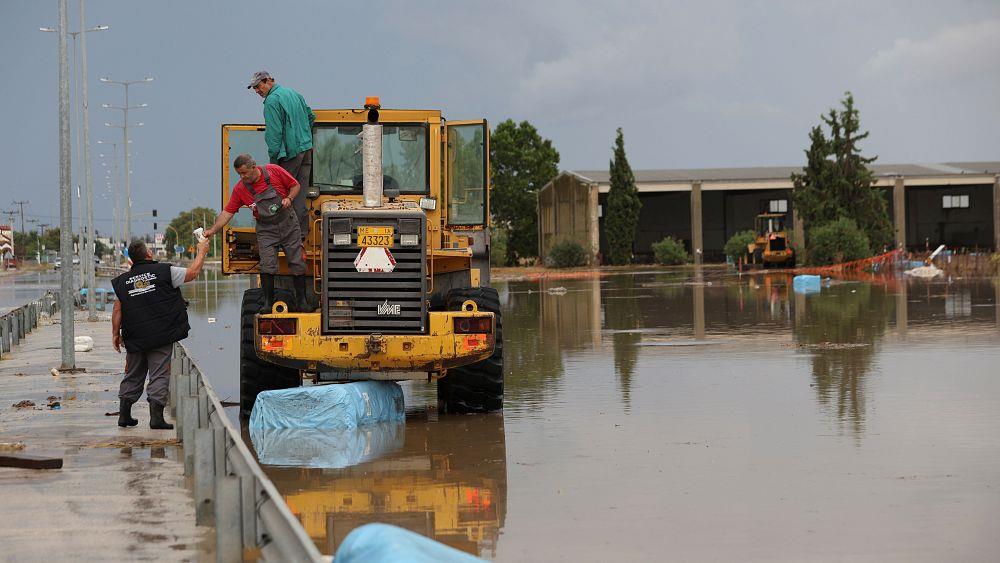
(467, 174)
(239, 239)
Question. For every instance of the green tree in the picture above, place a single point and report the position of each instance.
(623, 206)
(836, 181)
(184, 225)
(521, 162)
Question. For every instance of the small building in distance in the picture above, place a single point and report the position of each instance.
(956, 204)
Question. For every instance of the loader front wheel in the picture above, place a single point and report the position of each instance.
(256, 375)
(476, 387)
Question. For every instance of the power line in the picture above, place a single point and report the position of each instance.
(21, 204)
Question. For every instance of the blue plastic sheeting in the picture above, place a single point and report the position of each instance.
(343, 405)
(383, 543)
(806, 284)
(337, 448)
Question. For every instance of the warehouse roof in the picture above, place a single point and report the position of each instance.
(784, 172)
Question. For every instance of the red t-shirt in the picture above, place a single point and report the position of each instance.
(282, 181)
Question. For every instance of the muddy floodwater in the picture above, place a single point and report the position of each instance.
(680, 416)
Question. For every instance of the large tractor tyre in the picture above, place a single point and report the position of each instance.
(476, 387)
(256, 375)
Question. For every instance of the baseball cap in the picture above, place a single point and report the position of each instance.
(258, 77)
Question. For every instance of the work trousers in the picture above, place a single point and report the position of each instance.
(300, 167)
(156, 363)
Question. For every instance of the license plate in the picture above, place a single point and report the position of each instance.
(375, 236)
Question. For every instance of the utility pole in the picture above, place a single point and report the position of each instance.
(21, 205)
(65, 203)
(88, 260)
(128, 169)
(87, 244)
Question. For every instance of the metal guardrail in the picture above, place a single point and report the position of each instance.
(231, 491)
(17, 323)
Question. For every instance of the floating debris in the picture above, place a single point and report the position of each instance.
(24, 405)
(930, 271)
(137, 442)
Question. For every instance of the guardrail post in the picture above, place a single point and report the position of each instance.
(22, 322)
(229, 539)
(175, 370)
(203, 403)
(4, 335)
(15, 332)
(189, 426)
(204, 475)
(220, 450)
(248, 508)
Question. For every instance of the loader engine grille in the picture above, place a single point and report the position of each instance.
(373, 302)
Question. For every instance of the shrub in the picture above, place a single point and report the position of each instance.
(670, 251)
(837, 241)
(566, 254)
(738, 243)
(498, 247)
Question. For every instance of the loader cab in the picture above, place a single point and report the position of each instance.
(439, 166)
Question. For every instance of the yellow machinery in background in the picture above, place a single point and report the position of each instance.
(771, 247)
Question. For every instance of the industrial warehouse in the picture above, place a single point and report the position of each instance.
(955, 204)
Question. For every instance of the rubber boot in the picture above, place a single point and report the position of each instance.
(156, 421)
(125, 413)
(267, 284)
(299, 285)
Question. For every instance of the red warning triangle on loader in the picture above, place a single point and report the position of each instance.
(374, 259)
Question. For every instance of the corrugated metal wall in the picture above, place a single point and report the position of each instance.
(567, 210)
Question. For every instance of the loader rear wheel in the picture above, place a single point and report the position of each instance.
(476, 387)
(256, 375)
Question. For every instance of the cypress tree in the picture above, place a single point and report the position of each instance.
(836, 181)
(623, 206)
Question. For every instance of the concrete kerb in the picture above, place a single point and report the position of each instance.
(231, 489)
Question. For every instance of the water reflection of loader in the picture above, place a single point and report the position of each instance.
(447, 480)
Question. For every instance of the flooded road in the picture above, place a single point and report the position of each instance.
(675, 416)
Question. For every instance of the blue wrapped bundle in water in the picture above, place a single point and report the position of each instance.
(343, 405)
(336, 448)
(806, 283)
(383, 543)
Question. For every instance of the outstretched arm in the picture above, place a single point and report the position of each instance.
(195, 268)
(221, 221)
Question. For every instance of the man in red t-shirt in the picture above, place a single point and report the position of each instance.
(269, 191)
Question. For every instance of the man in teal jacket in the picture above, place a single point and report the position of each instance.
(288, 123)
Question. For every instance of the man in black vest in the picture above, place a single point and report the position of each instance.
(150, 315)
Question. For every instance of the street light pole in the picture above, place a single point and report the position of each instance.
(128, 169)
(116, 182)
(65, 203)
(88, 260)
(87, 245)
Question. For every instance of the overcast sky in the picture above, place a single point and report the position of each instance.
(693, 84)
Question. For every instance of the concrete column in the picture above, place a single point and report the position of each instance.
(595, 233)
(697, 245)
(996, 213)
(899, 212)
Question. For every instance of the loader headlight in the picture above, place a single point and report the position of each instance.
(409, 240)
(341, 239)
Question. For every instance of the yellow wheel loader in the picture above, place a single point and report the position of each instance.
(398, 254)
(771, 248)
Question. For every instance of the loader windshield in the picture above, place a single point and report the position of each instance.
(337, 158)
